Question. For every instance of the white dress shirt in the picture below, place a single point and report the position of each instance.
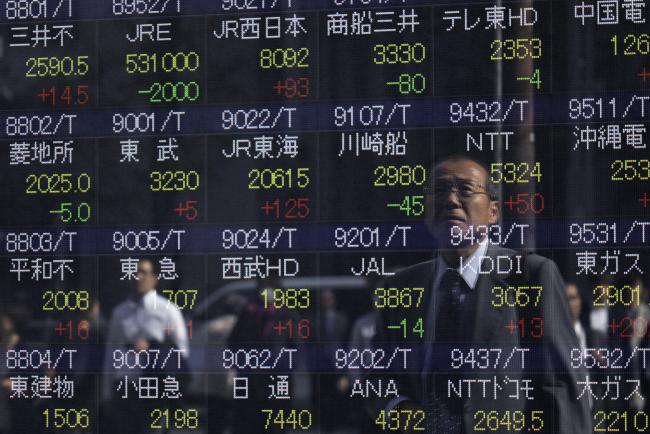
(582, 340)
(469, 273)
(151, 318)
(580, 333)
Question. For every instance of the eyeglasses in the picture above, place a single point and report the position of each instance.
(464, 190)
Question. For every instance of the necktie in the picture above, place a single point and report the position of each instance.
(446, 416)
(452, 293)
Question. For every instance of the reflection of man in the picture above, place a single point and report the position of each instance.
(333, 333)
(472, 303)
(587, 338)
(640, 318)
(333, 322)
(575, 307)
(145, 321)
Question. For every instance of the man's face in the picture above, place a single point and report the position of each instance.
(147, 279)
(467, 207)
(575, 304)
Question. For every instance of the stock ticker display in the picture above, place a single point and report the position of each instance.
(209, 205)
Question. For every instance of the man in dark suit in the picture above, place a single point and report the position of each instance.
(588, 338)
(484, 305)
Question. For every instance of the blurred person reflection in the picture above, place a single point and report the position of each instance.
(8, 340)
(587, 338)
(91, 329)
(639, 317)
(144, 321)
(13, 411)
(258, 327)
(599, 315)
(363, 332)
(331, 388)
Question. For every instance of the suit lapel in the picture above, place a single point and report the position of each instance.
(427, 300)
(422, 279)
